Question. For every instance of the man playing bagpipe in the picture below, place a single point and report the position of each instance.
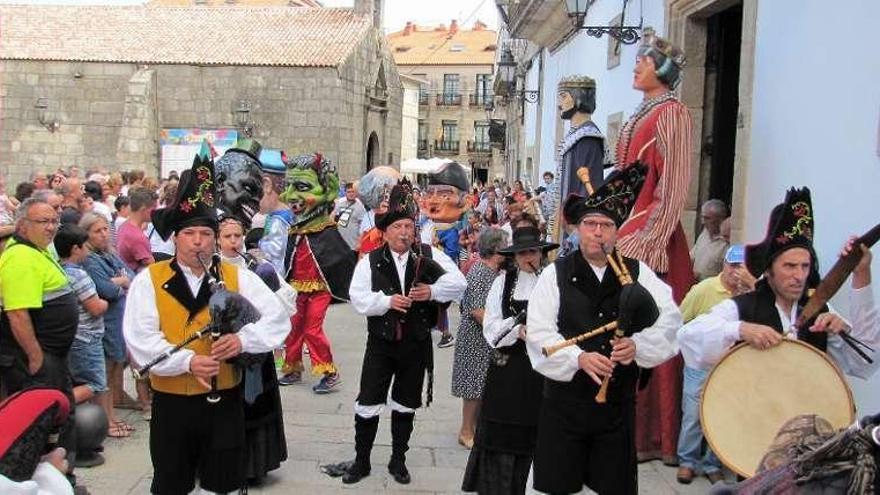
(398, 288)
(587, 419)
(192, 433)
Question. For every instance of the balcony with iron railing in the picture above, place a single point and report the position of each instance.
(479, 147)
(423, 145)
(480, 99)
(448, 99)
(443, 146)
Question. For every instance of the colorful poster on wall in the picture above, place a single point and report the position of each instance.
(179, 146)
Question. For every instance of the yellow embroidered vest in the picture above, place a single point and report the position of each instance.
(175, 323)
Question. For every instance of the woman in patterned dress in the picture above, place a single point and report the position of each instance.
(659, 135)
(472, 352)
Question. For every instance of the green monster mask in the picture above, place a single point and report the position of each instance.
(310, 186)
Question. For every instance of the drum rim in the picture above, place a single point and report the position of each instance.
(722, 457)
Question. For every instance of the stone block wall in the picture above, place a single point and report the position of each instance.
(85, 100)
(109, 114)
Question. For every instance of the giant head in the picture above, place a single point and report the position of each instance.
(444, 198)
(576, 94)
(374, 188)
(240, 181)
(310, 186)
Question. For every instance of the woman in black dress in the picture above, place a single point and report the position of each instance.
(266, 445)
(502, 454)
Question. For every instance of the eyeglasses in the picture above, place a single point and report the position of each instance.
(592, 224)
(45, 221)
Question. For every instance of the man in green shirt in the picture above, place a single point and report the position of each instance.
(733, 280)
(39, 316)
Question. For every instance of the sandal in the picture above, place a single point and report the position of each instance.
(123, 425)
(117, 431)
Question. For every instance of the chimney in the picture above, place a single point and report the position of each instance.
(371, 9)
(408, 29)
(453, 27)
(479, 26)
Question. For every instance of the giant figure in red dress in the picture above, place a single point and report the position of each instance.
(659, 135)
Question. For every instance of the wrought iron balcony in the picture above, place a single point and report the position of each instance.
(423, 145)
(444, 146)
(479, 147)
(480, 99)
(448, 99)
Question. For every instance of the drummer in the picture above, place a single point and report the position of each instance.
(764, 317)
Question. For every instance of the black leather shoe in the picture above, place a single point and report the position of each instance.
(355, 473)
(397, 469)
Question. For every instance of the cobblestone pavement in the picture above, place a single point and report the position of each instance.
(320, 430)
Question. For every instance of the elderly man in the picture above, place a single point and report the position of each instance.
(40, 314)
(766, 316)
(39, 179)
(708, 251)
(586, 437)
(398, 289)
(192, 435)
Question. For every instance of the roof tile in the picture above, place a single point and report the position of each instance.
(435, 47)
(274, 36)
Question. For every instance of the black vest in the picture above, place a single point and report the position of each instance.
(422, 316)
(586, 303)
(759, 306)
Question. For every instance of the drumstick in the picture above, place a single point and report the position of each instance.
(550, 349)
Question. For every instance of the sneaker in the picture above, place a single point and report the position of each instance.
(328, 381)
(291, 378)
(446, 340)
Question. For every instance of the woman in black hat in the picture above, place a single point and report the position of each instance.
(502, 454)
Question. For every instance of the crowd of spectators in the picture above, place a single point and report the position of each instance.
(77, 240)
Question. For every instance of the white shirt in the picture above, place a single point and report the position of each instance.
(449, 287)
(145, 341)
(494, 323)
(707, 337)
(654, 345)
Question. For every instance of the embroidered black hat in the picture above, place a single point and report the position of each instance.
(450, 174)
(614, 199)
(401, 204)
(525, 239)
(791, 225)
(195, 203)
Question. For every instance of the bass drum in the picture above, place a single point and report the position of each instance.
(751, 393)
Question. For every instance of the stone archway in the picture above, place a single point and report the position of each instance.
(372, 151)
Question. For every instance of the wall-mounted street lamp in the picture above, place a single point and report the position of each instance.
(577, 12)
(42, 107)
(243, 118)
(507, 71)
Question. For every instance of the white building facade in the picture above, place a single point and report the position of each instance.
(780, 95)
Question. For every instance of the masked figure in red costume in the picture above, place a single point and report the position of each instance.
(659, 135)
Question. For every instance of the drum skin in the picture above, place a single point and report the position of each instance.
(751, 393)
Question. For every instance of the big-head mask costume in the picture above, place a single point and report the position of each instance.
(239, 181)
(310, 186)
(445, 204)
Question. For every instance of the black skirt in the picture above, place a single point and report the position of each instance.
(491, 471)
(265, 443)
